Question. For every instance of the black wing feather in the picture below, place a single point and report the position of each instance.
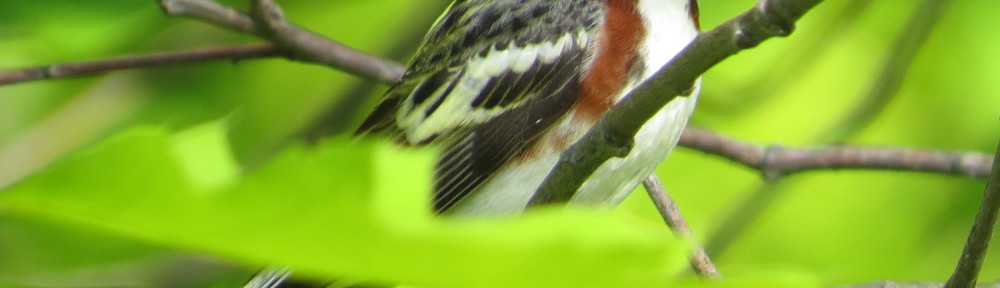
(531, 100)
(474, 157)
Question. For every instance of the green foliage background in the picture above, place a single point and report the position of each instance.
(157, 191)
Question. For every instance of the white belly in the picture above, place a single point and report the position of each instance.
(510, 190)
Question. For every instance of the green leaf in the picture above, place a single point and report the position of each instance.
(346, 208)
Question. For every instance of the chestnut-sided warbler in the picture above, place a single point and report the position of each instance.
(505, 86)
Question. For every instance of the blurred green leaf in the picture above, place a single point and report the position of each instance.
(344, 208)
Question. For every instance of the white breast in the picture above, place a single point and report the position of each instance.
(670, 30)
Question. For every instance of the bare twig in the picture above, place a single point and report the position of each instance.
(774, 162)
(68, 70)
(612, 135)
(212, 13)
(967, 271)
(298, 43)
(700, 261)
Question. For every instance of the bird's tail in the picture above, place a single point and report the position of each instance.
(269, 278)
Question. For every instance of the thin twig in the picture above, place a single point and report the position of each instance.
(774, 161)
(298, 43)
(68, 70)
(967, 270)
(700, 261)
(613, 134)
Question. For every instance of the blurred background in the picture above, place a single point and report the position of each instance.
(818, 87)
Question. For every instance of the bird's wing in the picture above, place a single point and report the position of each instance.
(489, 78)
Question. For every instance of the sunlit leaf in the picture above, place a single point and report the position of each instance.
(347, 208)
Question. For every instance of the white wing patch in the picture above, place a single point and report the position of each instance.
(466, 83)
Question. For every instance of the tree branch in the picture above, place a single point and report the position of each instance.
(967, 271)
(700, 261)
(233, 53)
(775, 161)
(772, 161)
(613, 134)
(298, 43)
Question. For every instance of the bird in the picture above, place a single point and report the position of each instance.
(504, 86)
